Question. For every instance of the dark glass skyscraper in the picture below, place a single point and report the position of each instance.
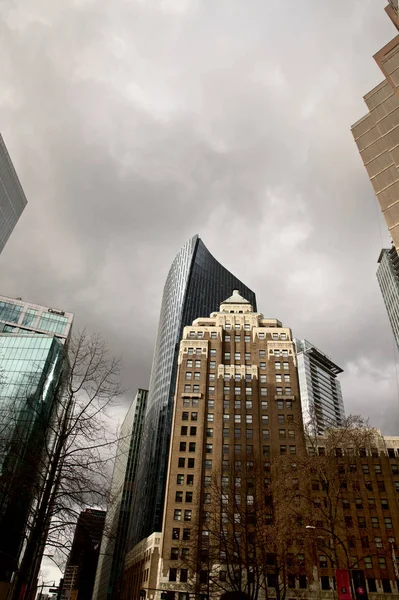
(196, 285)
(12, 197)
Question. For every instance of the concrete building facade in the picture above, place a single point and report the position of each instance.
(119, 510)
(388, 280)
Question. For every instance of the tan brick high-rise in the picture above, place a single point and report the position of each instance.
(377, 133)
(236, 404)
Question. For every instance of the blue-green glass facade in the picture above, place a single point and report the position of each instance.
(17, 316)
(196, 286)
(30, 369)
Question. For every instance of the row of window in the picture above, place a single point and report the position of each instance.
(195, 388)
(213, 334)
(362, 523)
(374, 452)
(262, 353)
(227, 377)
(370, 503)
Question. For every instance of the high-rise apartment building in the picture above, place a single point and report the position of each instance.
(82, 561)
(12, 197)
(32, 359)
(237, 409)
(119, 510)
(377, 133)
(388, 279)
(321, 396)
(196, 285)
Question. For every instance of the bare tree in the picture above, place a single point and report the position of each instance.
(249, 540)
(73, 471)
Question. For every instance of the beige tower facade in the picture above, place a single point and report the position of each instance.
(377, 133)
(236, 409)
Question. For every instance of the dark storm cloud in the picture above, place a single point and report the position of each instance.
(135, 124)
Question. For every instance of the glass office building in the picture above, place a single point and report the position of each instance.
(12, 197)
(196, 285)
(320, 390)
(113, 544)
(388, 279)
(30, 370)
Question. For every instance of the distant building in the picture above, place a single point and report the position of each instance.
(32, 360)
(119, 511)
(141, 569)
(12, 197)
(82, 562)
(388, 279)
(321, 396)
(196, 285)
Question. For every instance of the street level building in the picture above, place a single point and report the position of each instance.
(82, 561)
(196, 285)
(388, 279)
(321, 396)
(12, 196)
(377, 133)
(141, 569)
(119, 510)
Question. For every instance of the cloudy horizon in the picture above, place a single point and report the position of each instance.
(135, 124)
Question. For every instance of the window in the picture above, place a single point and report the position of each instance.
(265, 404)
(395, 469)
(278, 378)
(186, 401)
(262, 365)
(237, 391)
(374, 522)
(284, 352)
(190, 479)
(368, 562)
(189, 375)
(181, 462)
(323, 561)
(386, 585)
(237, 356)
(279, 391)
(247, 356)
(212, 364)
(365, 469)
(197, 375)
(191, 447)
(237, 448)
(263, 391)
(247, 339)
(277, 365)
(281, 419)
(288, 404)
(177, 514)
(208, 448)
(262, 353)
(265, 434)
(291, 434)
(195, 388)
(175, 533)
(281, 433)
(184, 572)
(248, 404)
(348, 522)
(265, 419)
(187, 387)
(285, 366)
(286, 378)
(378, 542)
(237, 339)
(191, 350)
(266, 450)
(189, 496)
(208, 464)
(182, 446)
(187, 515)
(249, 434)
(226, 338)
(388, 522)
(384, 504)
(288, 391)
(183, 430)
(361, 522)
(371, 503)
(283, 450)
(210, 418)
(372, 584)
(248, 418)
(194, 416)
(211, 403)
(193, 431)
(172, 574)
(180, 479)
(382, 562)
(237, 418)
(359, 503)
(190, 463)
(189, 363)
(237, 326)
(377, 469)
(227, 356)
(247, 326)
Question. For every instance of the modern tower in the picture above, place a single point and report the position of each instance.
(196, 285)
(12, 197)
(377, 133)
(321, 396)
(32, 359)
(113, 543)
(82, 561)
(388, 279)
(237, 410)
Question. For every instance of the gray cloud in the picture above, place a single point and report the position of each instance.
(134, 125)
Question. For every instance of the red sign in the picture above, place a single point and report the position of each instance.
(343, 584)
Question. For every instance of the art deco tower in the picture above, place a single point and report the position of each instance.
(196, 285)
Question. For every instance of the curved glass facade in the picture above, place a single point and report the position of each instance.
(196, 285)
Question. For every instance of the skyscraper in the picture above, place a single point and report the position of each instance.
(82, 561)
(321, 396)
(237, 410)
(12, 197)
(113, 543)
(388, 279)
(32, 359)
(377, 133)
(196, 285)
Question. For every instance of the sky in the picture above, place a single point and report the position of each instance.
(134, 124)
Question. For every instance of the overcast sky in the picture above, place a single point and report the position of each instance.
(134, 124)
